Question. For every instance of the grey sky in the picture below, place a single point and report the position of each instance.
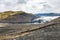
(33, 6)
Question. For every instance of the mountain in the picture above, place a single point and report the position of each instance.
(16, 17)
(47, 14)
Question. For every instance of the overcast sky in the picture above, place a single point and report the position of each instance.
(31, 6)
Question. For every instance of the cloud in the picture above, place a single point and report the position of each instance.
(55, 5)
(33, 6)
(22, 1)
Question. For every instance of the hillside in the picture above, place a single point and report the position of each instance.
(16, 16)
(56, 20)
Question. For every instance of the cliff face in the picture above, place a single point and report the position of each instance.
(18, 17)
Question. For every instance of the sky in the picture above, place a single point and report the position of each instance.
(31, 6)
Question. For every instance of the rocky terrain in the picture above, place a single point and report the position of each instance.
(11, 27)
(48, 31)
